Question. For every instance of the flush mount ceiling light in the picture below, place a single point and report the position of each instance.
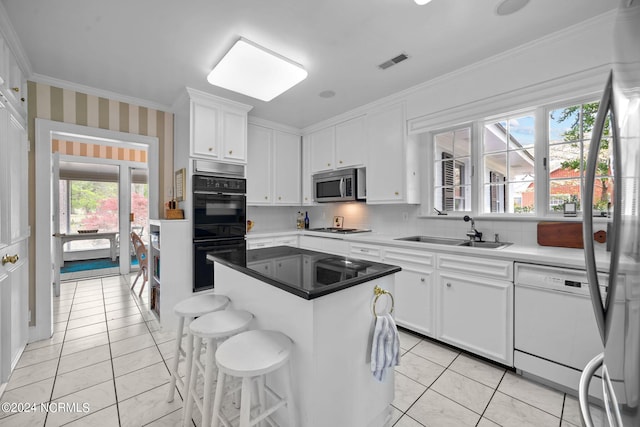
(421, 2)
(254, 71)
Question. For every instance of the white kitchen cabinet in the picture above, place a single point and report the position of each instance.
(307, 181)
(259, 166)
(286, 166)
(273, 168)
(393, 161)
(322, 150)
(12, 83)
(14, 306)
(170, 261)
(267, 242)
(339, 146)
(366, 252)
(350, 143)
(415, 307)
(218, 127)
(475, 305)
(325, 244)
(14, 235)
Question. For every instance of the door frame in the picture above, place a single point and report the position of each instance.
(45, 131)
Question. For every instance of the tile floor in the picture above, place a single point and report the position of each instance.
(109, 353)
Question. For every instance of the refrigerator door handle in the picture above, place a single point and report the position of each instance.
(601, 310)
(610, 401)
(583, 388)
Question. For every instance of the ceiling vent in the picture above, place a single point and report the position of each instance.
(393, 61)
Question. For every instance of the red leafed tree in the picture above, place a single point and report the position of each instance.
(105, 217)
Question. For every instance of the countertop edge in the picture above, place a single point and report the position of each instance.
(301, 293)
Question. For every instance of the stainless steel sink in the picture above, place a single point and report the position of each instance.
(486, 245)
(430, 239)
(455, 242)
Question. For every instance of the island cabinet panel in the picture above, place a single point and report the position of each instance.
(476, 313)
(333, 383)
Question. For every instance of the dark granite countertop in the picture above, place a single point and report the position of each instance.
(307, 274)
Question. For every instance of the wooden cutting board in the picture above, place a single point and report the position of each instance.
(560, 234)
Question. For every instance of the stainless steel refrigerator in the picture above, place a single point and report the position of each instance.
(619, 364)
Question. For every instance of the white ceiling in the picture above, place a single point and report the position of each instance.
(152, 49)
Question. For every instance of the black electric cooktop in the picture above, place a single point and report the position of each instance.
(307, 274)
(340, 230)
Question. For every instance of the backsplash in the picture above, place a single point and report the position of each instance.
(401, 220)
(397, 220)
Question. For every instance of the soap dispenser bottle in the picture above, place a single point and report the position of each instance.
(306, 220)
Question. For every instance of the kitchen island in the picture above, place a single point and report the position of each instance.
(324, 304)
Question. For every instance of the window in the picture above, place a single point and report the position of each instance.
(509, 165)
(452, 161)
(569, 138)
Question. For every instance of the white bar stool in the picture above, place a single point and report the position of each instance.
(187, 310)
(251, 356)
(212, 327)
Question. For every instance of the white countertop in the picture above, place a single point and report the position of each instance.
(546, 255)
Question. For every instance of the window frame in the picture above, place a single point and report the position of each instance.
(428, 206)
(540, 112)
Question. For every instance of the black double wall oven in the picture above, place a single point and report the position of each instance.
(219, 223)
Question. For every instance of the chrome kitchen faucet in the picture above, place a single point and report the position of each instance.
(473, 234)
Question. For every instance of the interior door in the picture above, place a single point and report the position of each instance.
(56, 241)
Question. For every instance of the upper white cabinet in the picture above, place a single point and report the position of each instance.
(14, 194)
(322, 149)
(273, 167)
(350, 140)
(218, 128)
(338, 146)
(12, 81)
(392, 166)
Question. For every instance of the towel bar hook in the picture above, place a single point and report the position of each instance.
(378, 291)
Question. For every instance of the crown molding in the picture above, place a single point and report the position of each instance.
(11, 37)
(274, 125)
(64, 84)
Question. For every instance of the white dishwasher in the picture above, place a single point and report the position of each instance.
(555, 332)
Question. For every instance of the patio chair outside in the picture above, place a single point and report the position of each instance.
(141, 255)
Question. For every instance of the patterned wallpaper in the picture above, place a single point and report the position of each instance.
(84, 149)
(68, 106)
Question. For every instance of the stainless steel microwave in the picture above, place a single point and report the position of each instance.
(340, 186)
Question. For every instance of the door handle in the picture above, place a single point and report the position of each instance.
(10, 258)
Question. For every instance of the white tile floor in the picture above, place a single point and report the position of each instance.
(109, 353)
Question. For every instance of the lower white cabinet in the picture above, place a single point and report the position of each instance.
(325, 244)
(415, 289)
(414, 298)
(475, 312)
(267, 242)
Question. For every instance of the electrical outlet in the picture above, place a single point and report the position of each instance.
(405, 216)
